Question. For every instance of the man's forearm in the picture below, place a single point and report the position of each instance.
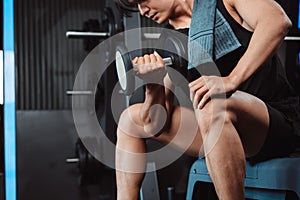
(154, 113)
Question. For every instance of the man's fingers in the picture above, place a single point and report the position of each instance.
(204, 100)
(198, 96)
(153, 58)
(140, 60)
(158, 58)
(134, 61)
(148, 63)
(147, 59)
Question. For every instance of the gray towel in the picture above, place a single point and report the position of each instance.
(210, 35)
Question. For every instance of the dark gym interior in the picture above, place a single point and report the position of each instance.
(46, 64)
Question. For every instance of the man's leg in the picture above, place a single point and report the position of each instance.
(130, 157)
(130, 166)
(227, 130)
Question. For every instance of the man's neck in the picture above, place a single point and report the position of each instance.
(184, 14)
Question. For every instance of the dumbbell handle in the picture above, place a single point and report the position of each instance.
(168, 61)
(84, 34)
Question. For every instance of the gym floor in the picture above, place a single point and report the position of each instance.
(43, 147)
(43, 173)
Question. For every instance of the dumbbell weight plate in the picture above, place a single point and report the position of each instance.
(124, 70)
(177, 51)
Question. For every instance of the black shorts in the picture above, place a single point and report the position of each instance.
(281, 140)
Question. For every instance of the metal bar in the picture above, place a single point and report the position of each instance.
(292, 38)
(84, 34)
(72, 160)
(70, 92)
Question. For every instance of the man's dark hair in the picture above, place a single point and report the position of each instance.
(126, 7)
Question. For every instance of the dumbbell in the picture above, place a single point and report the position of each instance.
(173, 57)
(91, 30)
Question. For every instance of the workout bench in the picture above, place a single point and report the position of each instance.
(273, 179)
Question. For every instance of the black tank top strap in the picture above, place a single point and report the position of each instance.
(243, 34)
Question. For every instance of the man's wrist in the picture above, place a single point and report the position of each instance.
(234, 80)
(154, 88)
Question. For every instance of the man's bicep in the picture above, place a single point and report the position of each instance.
(253, 11)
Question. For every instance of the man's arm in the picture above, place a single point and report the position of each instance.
(270, 25)
(157, 107)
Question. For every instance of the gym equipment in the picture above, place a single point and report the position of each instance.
(84, 92)
(273, 179)
(124, 68)
(91, 33)
(291, 38)
(173, 56)
(92, 27)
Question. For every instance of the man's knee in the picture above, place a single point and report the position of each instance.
(131, 123)
(216, 113)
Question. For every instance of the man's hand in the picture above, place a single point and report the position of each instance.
(207, 87)
(150, 68)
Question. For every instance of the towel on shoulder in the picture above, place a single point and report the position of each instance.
(210, 35)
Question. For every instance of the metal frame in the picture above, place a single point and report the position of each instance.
(9, 101)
